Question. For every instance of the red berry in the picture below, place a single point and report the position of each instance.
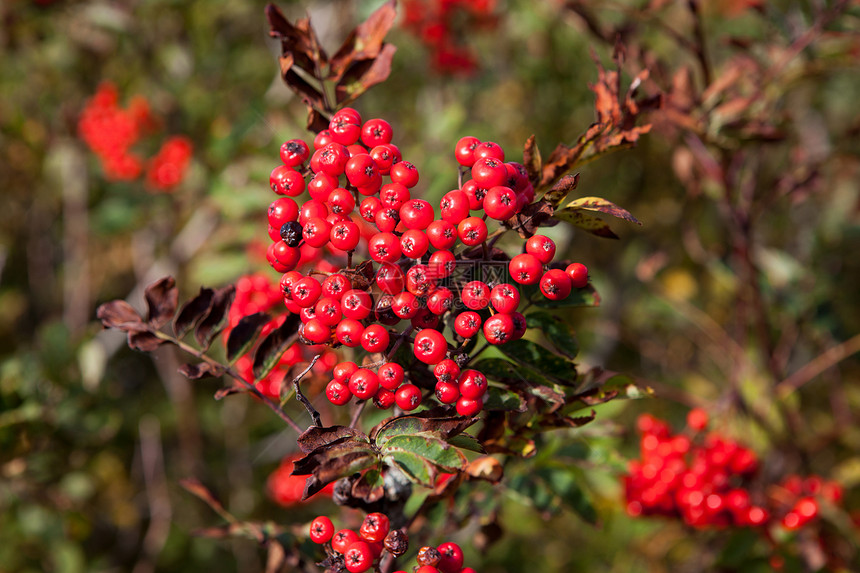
(447, 371)
(464, 151)
(364, 383)
(555, 284)
(369, 207)
(408, 397)
(322, 139)
(697, 419)
(306, 292)
(447, 392)
(361, 170)
(416, 214)
(312, 209)
(390, 375)
(348, 332)
(489, 172)
(405, 305)
(335, 286)
(384, 399)
(440, 301)
(294, 152)
(475, 295)
(419, 280)
(338, 393)
(345, 235)
(317, 331)
(341, 201)
(500, 203)
(472, 231)
(316, 232)
(473, 384)
(343, 370)
(468, 406)
(332, 159)
(442, 234)
(414, 243)
(375, 132)
(475, 194)
(328, 311)
(404, 173)
(343, 539)
(467, 324)
(375, 338)
(454, 206)
(358, 557)
(356, 304)
(441, 265)
(322, 529)
(321, 186)
(374, 527)
(281, 211)
(542, 247)
(525, 269)
(520, 325)
(286, 181)
(384, 248)
(430, 346)
(578, 274)
(505, 298)
(394, 195)
(390, 279)
(452, 558)
(489, 149)
(384, 157)
(499, 328)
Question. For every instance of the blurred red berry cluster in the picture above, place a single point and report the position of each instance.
(110, 131)
(287, 489)
(706, 480)
(256, 293)
(445, 25)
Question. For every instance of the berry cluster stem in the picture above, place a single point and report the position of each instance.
(315, 416)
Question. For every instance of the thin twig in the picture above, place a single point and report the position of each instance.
(232, 374)
(816, 366)
(357, 413)
(302, 398)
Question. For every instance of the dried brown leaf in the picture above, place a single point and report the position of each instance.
(316, 437)
(216, 319)
(537, 214)
(365, 42)
(201, 370)
(561, 189)
(144, 341)
(245, 333)
(120, 315)
(229, 391)
(270, 350)
(192, 312)
(532, 160)
(361, 76)
(603, 206)
(161, 297)
(486, 468)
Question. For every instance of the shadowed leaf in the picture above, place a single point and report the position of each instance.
(229, 391)
(585, 296)
(532, 160)
(120, 315)
(428, 423)
(316, 437)
(561, 189)
(216, 319)
(333, 462)
(533, 356)
(197, 489)
(557, 332)
(161, 297)
(144, 341)
(192, 312)
(535, 215)
(466, 442)
(201, 370)
(366, 41)
(361, 76)
(272, 347)
(243, 335)
(505, 400)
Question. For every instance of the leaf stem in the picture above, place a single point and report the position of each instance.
(232, 373)
(302, 398)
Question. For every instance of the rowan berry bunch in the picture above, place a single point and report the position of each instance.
(362, 550)
(707, 482)
(111, 131)
(361, 204)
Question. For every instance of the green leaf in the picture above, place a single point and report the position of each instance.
(603, 206)
(561, 189)
(416, 468)
(504, 400)
(425, 424)
(466, 442)
(564, 483)
(436, 452)
(535, 357)
(557, 332)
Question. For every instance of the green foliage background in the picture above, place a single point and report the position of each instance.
(80, 415)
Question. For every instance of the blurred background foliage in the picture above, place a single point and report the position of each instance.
(738, 294)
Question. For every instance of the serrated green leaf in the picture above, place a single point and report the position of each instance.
(414, 467)
(503, 400)
(435, 451)
(466, 442)
(557, 331)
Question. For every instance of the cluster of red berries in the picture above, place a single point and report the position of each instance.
(416, 279)
(110, 132)
(256, 293)
(705, 482)
(286, 489)
(440, 24)
(358, 551)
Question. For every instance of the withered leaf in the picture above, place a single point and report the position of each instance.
(564, 158)
(316, 437)
(365, 41)
(120, 315)
(192, 312)
(561, 189)
(369, 487)
(272, 347)
(243, 335)
(299, 40)
(216, 319)
(309, 94)
(588, 223)
(361, 76)
(436, 422)
(603, 206)
(143, 341)
(201, 370)
(332, 462)
(161, 297)
(197, 489)
(532, 160)
(229, 391)
(485, 468)
(535, 215)
(276, 556)
(316, 121)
